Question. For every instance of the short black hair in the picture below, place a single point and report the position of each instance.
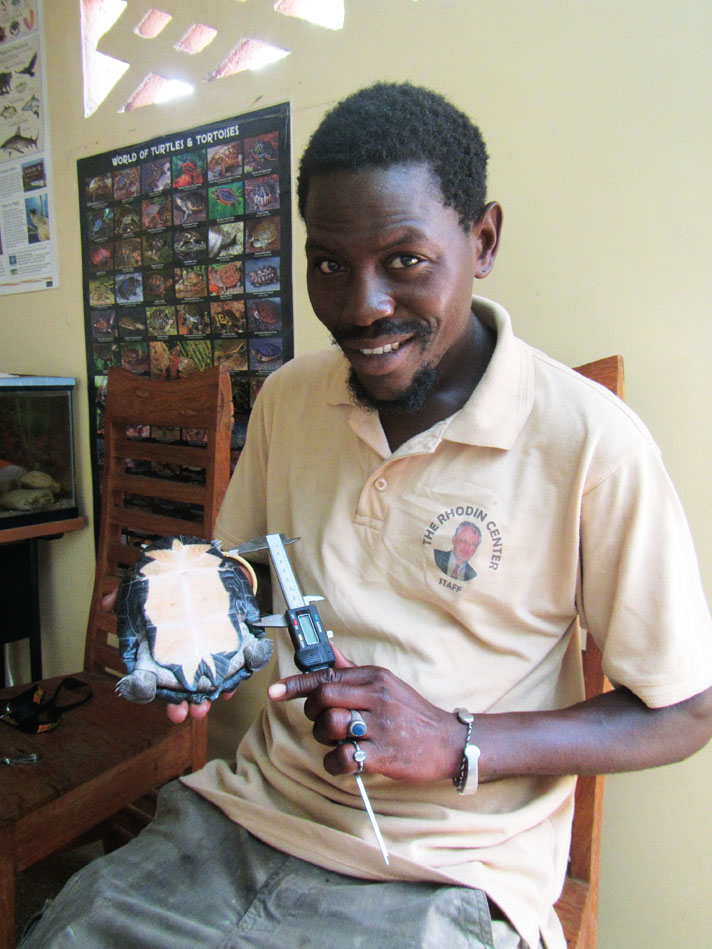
(398, 123)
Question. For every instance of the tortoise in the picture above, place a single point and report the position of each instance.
(185, 617)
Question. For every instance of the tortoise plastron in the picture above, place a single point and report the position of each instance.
(184, 621)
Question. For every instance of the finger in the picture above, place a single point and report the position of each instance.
(331, 725)
(109, 601)
(228, 695)
(341, 661)
(177, 713)
(340, 697)
(329, 682)
(200, 711)
(295, 687)
(341, 760)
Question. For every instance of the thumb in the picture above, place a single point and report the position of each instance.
(341, 661)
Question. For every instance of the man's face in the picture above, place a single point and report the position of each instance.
(389, 273)
(465, 543)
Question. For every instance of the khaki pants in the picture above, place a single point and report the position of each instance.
(193, 878)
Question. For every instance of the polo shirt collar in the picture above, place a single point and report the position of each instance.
(492, 417)
(497, 410)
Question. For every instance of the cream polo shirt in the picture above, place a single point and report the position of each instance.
(578, 519)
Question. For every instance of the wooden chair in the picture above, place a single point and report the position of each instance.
(578, 905)
(109, 752)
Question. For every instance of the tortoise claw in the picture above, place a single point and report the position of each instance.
(140, 686)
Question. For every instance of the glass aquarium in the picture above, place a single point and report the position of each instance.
(37, 476)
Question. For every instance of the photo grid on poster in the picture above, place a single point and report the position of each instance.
(186, 245)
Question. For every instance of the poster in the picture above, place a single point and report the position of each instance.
(186, 247)
(27, 237)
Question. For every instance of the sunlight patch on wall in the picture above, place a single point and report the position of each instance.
(248, 54)
(185, 58)
(100, 72)
(327, 13)
(152, 23)
(155, 88)
(196, 39)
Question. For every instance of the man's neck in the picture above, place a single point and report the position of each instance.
(399, 427)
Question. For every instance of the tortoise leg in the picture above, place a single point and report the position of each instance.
(140, 684)
(258, 653)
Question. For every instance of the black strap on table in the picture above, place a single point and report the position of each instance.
(30, 714)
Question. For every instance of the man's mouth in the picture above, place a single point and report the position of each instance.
(380, 350)
(381, 338)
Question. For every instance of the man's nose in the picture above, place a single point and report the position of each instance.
(368, 299)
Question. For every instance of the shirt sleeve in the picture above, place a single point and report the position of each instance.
(641, 593)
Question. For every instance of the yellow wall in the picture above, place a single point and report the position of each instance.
(598, 123)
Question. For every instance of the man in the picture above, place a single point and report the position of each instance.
(455, 562)
(437, 413)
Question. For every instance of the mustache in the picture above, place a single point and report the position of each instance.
(385, 327)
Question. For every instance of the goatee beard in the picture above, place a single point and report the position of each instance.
(410, 401)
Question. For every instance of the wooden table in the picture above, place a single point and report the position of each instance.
(19, 586)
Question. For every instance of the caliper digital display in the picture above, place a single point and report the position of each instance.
(304, 626)
(312, 649)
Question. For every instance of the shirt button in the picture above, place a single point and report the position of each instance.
(380, 484)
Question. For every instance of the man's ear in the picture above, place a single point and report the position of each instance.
(486, 233)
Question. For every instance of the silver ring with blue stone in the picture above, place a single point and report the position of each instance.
(357, 726)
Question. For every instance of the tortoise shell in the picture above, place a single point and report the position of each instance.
(184, 618)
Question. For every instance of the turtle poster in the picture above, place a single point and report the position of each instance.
(186, 247)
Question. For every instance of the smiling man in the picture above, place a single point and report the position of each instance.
(429, 413)
(389, 273)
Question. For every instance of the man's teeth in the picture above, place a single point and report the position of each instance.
(380, 350)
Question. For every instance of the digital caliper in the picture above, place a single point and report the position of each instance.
(312, 650)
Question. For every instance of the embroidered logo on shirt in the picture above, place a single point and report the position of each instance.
(463, 529)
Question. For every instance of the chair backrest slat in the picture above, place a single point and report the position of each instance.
(152, 485)
(586, 831)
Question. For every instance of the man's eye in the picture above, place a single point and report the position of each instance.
(403, 261)
(328, 266)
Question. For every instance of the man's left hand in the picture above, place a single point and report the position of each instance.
(406, 738)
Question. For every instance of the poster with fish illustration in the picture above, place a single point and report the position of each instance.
(28, 251)
(186, 247)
